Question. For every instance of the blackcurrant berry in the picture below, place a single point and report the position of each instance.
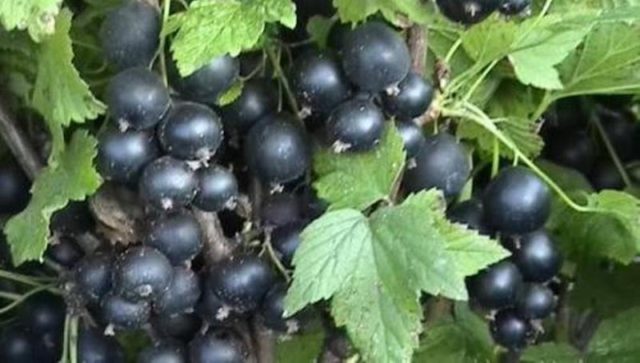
(123, 314)
(441, 163)
(123, 155)
(375, 57)
(412, 99)
(470, 213)
(286, 240)
(468, 11)
(537, 257)
(18, 346)
(216, 312)
(514, 7)
(571, 148)
(14, 188)
(191, 131)
(65, 252)
(281, 209)
(272, 311)
(177, 235)
(95, 347)
(72, 220)
(318, 81)
(355, 125)
(130, 34)
(509, 330)
(496, 286)
(259, 97)
(217, 347)
(412, 137)
(168, 183)
(182, 294)
(516, 201)
(218, 189)
(142, 273)
(43, 313)
(208, 83)
(93, 276)
(171, 353)
(535, 301)
(621, 131)
(605, 175)
(182, 327)
(137, 98)
(277, 150)
(241, 282)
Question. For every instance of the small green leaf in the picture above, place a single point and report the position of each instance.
(301, 348)
(319, 28)
(356, 11)
(36, 16)
(72, 178)
(59, 93)
(231, 94)
(616, 340)
(373, 270)
(357, 180)
(551, 353)
(211, 28)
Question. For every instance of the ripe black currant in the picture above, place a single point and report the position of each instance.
(375, 57)
(217, 347)
(621, 131)
(137, 98)
(468, 11)
(130, 34)
(93, 276)
(43, 313)
(182, 327)
(516, 201)
(14, 188)
(177, 235)
(208, 83)
(441, 163)
(18, 346)
(65, 252)
(258, 99)
(123, 314)
(95, 347)
(277, 150)
(217, 189)
(171, 353)
(318, 81)
(286, 240)
(142, 273)
(412, 137)
(355, 125)
(534, 301)
(496, 286)
(509, 330)
(471, 213)
(168, 183)
(412, 98)
(182, 294)
(241, 282)
(191, 131)
(514, 7)
(537, 257)
(281, 209)
(272, 311)
(215, 311)
(571, 148)
(123, 155)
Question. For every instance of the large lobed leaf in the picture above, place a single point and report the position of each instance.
(73, 177)
(36, 16)
(374, 269)
(211, 28)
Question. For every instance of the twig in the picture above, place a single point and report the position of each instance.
(264, 343)
(216, 245)
(18, 142)
(418, 48)
(291, 99)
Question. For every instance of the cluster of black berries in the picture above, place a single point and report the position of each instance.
(514, 207)
(474, 11)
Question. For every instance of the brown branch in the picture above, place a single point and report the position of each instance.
(216, 247)
(119, 214)
(264, 343)
(19, 144)
(418, 48)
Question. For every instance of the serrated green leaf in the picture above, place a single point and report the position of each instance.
(59, 93)
(357, 180)
(616, 340)
(490, 39)
(551, 353)
(36, 16)
(211, 28)
(72, 178)
(301, 348)
(356, 11)
(318, 28)
(464, 337)
(374, 269)
(231, 94)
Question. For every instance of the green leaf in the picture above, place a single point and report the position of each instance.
(36, 16)
(356, 11)
(357, 180)
(231, 94)
(464, 337)
(59, 93)
(318, 28)
(616, 340)
(551, 353)
(72, 178)
(301, 348)
(490, 39)
(373, 270)
(211, 28)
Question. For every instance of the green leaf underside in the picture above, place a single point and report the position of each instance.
(551, 353)
(300, 348)
(231, 94)
(318, 28)
(373, 270)
(616, 340)
(73, 178)
(36, 16)
(212, 28)
(358, 180)
(59, 93)
(358, 11)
